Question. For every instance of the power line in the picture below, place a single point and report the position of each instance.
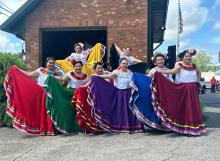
(6, 6)
(5, 9)
(4, 14)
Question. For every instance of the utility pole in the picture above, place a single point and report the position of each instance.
(219, 56)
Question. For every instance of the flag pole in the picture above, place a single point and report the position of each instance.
(179, 26)
(178, 29)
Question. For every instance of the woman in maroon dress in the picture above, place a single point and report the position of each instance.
(177, 104)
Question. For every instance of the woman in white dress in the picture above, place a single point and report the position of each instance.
(178, 104)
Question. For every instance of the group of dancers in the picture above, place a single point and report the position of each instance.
(77, 95)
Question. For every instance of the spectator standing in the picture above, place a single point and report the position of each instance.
(213, 84)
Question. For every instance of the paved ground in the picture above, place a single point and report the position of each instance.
(211, 99)
(212, 110)
(16, 146)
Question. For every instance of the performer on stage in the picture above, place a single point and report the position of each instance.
(67, 64)
(127, 53)
(116, 54)
(78, 55)
(87, 57)
(110, 104)
(178, 104)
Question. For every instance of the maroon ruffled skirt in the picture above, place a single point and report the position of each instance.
(178, 105)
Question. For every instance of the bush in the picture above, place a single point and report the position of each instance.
(6, 61)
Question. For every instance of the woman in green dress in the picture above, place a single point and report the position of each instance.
(59, 99)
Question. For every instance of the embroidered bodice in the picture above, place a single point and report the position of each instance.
(186, 74)
(75, 81)
(123, 79)
(44, 73)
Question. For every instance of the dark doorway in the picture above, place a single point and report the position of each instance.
(58, 43)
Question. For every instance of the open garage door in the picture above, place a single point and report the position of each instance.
(59, 42)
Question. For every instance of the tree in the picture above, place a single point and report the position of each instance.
(6, 61)
(203, 62)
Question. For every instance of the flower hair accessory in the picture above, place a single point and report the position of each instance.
(192, 52)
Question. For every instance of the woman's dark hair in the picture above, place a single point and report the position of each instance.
(77, 44)
(128, 48)
(182, 54)
(50, 58)
(77, 62)
(122, 60)
(159, 55)
(96, 64)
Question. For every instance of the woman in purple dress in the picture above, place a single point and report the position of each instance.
(110, 104)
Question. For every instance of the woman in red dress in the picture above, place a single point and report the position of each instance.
(26, 99)
(84, 116)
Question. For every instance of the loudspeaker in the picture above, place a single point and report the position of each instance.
(171, 56)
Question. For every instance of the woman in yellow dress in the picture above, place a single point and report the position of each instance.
(87, 57)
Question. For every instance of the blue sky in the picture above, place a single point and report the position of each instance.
(201, 27)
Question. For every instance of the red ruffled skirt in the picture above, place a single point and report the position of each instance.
(26, 104)
(84, 115)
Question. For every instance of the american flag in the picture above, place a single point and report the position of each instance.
(180, 19)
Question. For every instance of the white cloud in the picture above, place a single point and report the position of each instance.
(217, 26)
(12, 4)
(3, 39)
(194, 16)
(7, 45)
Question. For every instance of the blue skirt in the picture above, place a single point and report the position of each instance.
(141, 101)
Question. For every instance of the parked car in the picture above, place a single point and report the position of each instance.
(202, 86)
